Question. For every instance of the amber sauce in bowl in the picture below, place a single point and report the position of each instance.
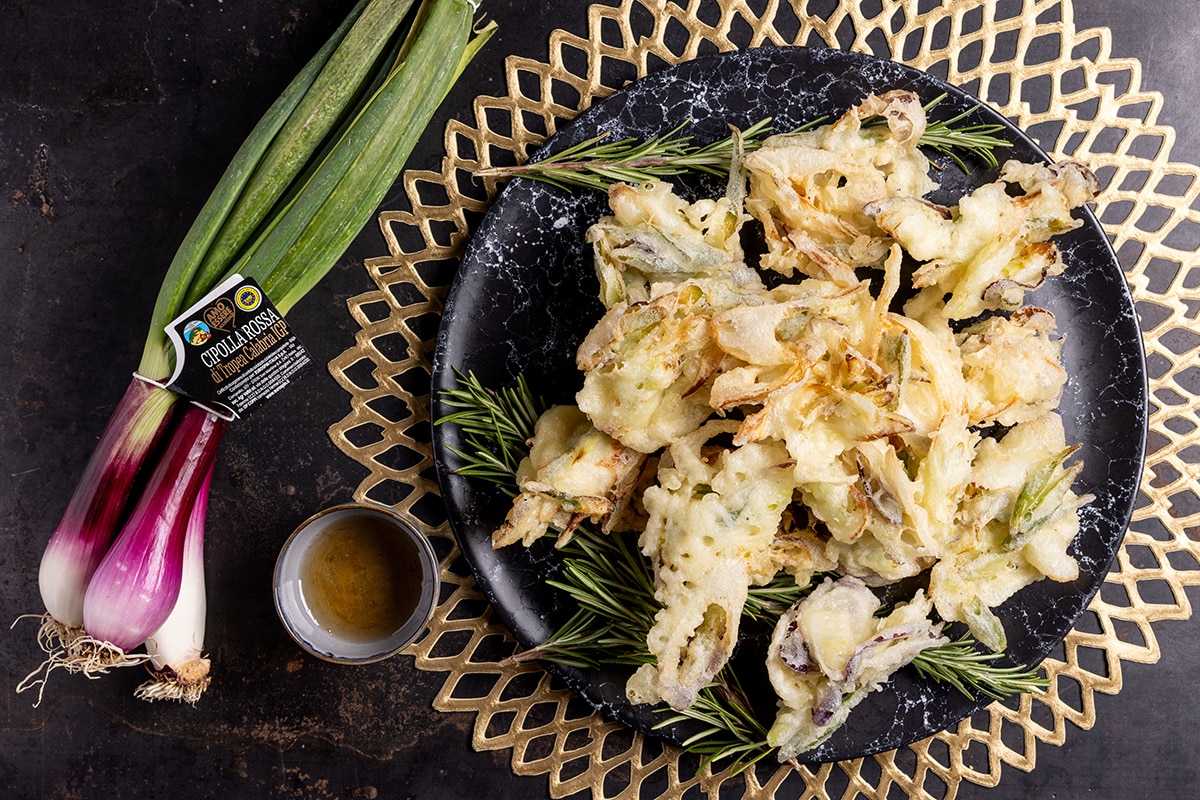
(360, 580)
(356, 583)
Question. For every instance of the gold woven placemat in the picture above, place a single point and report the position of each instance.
(1011, 54)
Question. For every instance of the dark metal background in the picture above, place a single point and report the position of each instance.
(115, 121)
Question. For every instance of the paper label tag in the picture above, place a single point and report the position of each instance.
(233, 349)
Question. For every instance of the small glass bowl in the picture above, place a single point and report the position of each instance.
(296, 610)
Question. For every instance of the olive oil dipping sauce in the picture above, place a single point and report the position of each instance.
(356, 583)
(360, 580)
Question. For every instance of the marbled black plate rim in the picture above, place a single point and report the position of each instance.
(525, 294)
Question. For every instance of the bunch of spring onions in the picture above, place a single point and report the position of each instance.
(124, 567)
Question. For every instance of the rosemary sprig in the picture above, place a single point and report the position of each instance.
(978, 140)
(973, 672)
(731, 731)
(572, 645)
(597, 163)
(496, 425)
(608, 577)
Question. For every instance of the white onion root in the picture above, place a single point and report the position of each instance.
(70, 648)
(184, 683)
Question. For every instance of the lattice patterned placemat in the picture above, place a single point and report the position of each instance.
(1007, 53)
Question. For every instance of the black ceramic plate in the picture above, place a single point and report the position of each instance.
(526, 294)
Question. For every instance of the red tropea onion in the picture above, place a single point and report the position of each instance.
(135, 587)
(177, 662)
(101, 500)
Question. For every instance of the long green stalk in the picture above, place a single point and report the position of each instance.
(342, 195)
(199, 239)
(332, 97)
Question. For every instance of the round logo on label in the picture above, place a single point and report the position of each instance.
(248, 298)
(196, 333)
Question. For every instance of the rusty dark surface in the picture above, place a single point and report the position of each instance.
(115, 120)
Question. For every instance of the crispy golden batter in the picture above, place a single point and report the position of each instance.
(830, 650)
(809, 190)
(573, 472)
